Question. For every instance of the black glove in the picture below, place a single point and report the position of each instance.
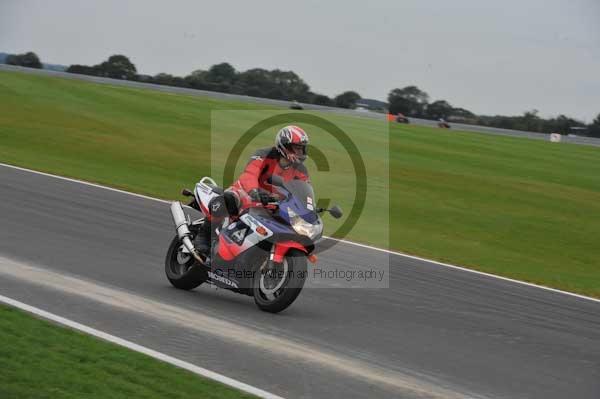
(260, 194)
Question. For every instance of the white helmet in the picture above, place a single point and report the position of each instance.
(291, 142)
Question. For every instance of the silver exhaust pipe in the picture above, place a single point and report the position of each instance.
(183, 232)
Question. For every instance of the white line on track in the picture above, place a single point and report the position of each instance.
(142, 349)
(454, 267)
(268, 343)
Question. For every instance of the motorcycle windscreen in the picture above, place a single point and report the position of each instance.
(301, 198)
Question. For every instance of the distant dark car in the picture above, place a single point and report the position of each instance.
(296, 105)
(402, 119)
(442, 124)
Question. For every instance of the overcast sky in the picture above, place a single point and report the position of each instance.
(501, 57)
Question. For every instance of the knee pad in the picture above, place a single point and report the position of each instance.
(224, 205)
(217, 207)
(232, 203)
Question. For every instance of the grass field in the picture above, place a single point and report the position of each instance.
(515, 207)
(41, 360)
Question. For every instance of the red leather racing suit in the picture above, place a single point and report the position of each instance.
(262, 165)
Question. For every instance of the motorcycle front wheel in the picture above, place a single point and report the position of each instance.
(182, 270)
(276, 289)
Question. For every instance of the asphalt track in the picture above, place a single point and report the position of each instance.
(95, 256)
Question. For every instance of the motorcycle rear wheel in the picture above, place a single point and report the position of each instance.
(182, 270)
(276, 293)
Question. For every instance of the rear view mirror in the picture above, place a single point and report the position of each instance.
(336, 211)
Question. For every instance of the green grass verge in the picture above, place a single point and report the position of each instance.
(520, 208)
(42, 360)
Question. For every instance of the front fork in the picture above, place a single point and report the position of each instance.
(280, 249)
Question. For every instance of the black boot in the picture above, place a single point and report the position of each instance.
(203, 238)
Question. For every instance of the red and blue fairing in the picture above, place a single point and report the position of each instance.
(293, 224)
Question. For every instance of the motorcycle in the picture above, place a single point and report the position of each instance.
(262, 253)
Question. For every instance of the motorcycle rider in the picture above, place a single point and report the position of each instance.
(285, 159)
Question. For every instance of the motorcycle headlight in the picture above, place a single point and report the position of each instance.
(303, 227)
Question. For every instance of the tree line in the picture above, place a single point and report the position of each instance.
(29, 60)
(257, 82)
(411, 101)
(287, 85)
